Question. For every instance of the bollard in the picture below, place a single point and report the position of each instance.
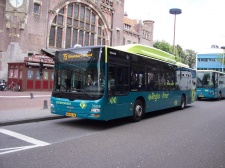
(45, 104)
(31, 96)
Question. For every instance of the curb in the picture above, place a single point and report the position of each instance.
(31, 120)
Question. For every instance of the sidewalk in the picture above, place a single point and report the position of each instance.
(25, 106)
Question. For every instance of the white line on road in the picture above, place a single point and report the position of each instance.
(37, 143)
(16, 149)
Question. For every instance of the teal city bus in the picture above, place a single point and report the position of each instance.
(210, 84)
(105, 83)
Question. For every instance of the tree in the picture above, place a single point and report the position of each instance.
(185, 56)
(164, 46)
(190, 58)
(181, 54)
(221, 58)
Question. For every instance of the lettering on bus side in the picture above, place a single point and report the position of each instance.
(158, 96)
(63, 103)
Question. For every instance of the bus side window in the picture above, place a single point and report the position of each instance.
(134, 82)
(111, 81)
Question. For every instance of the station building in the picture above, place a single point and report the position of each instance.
(208, 59)
(32, 30)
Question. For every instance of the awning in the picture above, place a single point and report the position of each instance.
(50, 52)
(38, 64)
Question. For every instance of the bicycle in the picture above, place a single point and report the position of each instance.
(13, 86)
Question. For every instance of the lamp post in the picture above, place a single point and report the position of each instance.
(174, 11)
(223, 47)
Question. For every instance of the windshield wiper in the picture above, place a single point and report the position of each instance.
(86, 93)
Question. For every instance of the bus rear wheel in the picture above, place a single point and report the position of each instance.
(182, 102)
(220, 96)
(138, 111)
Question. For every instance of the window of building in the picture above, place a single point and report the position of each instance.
(146, 34)
(129, 42)
(52, 76)
(21, 74)
(118, 34)
(30, 74)
(15, 73)
(36, 8)
(80, 27)
(10, 73)
(126, 26)
(45, 75)
(38, 77)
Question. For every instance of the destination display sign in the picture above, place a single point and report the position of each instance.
(67, 56)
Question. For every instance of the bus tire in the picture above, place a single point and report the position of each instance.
(220, 96)
(199, 98)
(182, 102)
(138, 111)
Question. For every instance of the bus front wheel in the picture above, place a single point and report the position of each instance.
(138, 111)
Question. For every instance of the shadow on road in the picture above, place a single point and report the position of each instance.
(103, 125)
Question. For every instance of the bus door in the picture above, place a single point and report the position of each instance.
(118, 89)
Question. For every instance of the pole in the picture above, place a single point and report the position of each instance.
(223, 61)
(174, 11)
(223, 47)
(174, 34)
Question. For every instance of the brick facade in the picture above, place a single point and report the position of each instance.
(24, 32)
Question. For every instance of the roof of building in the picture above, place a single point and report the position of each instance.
(131, 23)
(211, 51)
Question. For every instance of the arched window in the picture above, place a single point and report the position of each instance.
(76, 24)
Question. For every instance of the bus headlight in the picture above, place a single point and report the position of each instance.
(52, 105)
(95, 110)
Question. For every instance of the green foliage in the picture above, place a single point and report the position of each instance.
(190, 58)
(185, 56)
(221, 58)
(164, 46)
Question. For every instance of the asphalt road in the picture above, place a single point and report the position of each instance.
(189, 138)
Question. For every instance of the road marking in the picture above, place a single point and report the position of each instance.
(37, 143)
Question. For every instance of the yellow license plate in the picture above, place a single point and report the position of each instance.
(68, 114)
(201, 95)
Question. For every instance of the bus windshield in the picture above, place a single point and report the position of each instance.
(205, 79)
(79, 74)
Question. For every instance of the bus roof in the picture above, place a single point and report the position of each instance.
(150, 52)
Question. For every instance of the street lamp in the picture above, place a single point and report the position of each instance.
(223, 47)
(174, 11)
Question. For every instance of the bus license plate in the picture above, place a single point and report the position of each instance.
(201, 95)
(68, 114)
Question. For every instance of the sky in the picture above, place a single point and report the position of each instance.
(200, 25)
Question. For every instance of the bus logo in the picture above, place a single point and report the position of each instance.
(175, 103)
(83, 105)
(113, 100)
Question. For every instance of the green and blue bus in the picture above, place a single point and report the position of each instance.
(210, 84)
(95, 82)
